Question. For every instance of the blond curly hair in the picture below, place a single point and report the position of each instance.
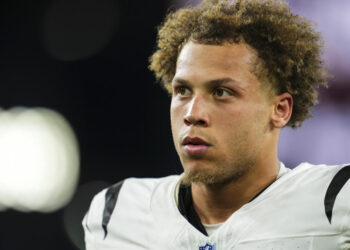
(288, 47)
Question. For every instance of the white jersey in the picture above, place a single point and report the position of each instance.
(305, 208)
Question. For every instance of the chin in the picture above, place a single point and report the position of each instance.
(196, 177)
(201, 175)
(211, 176)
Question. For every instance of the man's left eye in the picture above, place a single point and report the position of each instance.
(219, 92)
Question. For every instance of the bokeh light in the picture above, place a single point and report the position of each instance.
(39, 160)
(82, 58)
(77, 29)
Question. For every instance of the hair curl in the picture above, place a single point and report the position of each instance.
(288, 47)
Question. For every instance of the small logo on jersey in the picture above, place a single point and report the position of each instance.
(207, 247)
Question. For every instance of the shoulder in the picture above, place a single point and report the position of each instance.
(306, 167)
(329, 182)
(121, 207)
(330, 177)
(312, 174)
(313, 177)
(311, 199)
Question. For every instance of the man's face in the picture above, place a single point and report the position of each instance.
(220, 113)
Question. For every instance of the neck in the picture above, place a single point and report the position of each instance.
(211, 202)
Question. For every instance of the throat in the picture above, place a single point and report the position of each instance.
(204, 206)
(216, 204)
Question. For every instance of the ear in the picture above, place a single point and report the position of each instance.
(283, 107)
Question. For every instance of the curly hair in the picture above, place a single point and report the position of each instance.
(288, 48)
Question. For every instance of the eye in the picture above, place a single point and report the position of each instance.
(220, 92)
(182, 91)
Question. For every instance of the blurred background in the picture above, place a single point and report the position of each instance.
(80, 110)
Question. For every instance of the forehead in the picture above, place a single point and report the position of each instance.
(229, 59)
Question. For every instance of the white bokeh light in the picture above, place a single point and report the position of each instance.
(39, 160)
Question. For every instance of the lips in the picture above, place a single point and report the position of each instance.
(194, 141)
(195, 146)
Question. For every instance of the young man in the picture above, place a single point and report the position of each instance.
(237, 72)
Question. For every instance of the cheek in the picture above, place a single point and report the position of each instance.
(176, 117)
(176, 112)
(176, 121)
(240, 124)
(228, 119)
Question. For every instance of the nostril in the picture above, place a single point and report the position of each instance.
(187, 122)
(201, 123)
(195, 122)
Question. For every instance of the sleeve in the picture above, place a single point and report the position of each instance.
(98, 216)
(119, 217)
(345, 217)
(92, 222)
(338, 212)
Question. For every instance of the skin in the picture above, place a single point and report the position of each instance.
(217, 97)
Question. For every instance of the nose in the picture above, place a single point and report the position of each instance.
(197, 113)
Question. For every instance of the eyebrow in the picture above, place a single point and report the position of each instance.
(212, 83)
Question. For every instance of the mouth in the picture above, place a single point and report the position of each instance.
(195, 146)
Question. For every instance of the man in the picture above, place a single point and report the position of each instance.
(237, 73)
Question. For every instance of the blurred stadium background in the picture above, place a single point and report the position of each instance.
(80, 111)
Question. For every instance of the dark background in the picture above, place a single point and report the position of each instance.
(88, 60)
(52, 57)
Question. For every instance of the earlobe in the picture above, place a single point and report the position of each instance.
(282, 112)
